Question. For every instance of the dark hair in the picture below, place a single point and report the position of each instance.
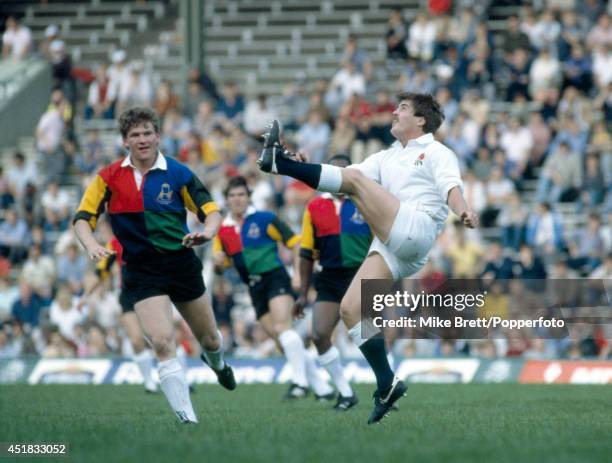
(340, 157)
(425, 105)
(237, 182)
(137, 116)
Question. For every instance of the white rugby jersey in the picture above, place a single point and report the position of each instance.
(422, 173)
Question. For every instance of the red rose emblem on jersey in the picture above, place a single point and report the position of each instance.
(419, 160)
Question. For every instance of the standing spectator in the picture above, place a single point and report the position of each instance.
(395, 35)
(117, 72)
(61, 63)
(16, 40)
(561, 176)
(51, 34)
(49, 133)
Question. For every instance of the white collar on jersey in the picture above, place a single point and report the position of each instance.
(230, 221)
(425, 139)
(160, 162)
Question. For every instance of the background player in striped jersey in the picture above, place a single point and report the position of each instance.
(335, 233)
(145, 196)
(250, 238)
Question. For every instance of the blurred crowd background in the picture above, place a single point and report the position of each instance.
(539, 172)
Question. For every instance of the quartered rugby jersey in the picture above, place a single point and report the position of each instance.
(335, 230)
(149, 221)
(252, 244)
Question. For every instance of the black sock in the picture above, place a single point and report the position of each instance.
(304, 171)
(374, 352)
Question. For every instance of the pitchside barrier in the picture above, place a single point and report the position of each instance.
(248, 371)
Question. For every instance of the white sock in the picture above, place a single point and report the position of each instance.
(362, 331)
(215, 357)
(331, 362)
(391, 359)
(144, 361)
(174, 384)
(295, 354)
(315, 381)
(181, 356)
(330, 179)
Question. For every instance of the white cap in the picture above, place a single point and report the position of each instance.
(51, 30)
(118, 56)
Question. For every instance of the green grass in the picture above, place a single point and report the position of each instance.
(436, 423)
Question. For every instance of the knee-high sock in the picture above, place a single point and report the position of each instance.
(174, 384)
(215, 357)
(373, 349)
(144, 361)
(331, 362)
(317, 384)
(296, 355)
(323, 177)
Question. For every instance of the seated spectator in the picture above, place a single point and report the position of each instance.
(530, 267)
(573, 135)
(544, 231)
(206, 83)
(57, 200)
(587, 247)
(342, 136)
(544, 73)
(561, 176)
(513, 37)
(71, 266)
(511, 219)
(348, 81)
(9, 292)
(136, 89)
(39, 272)
(95, 343)
(517, 67)
(517, 143)
(257, 115)
(497, 266)
(65, 313)
(546, 32)
(499, 189)
(381, 117)
(165, 99)
(602, 65)
(395, 36)
(464, 255)
(358, 56)
(99, 102)
(483, 164)
(577, 70)
(572, 33)
(314, 136)
(601, 34)
(421, 37)
(593, 189)
(14, 237)
(541, 136)
(231, 104)
(175, 129)
(16, 40)
(573, 105)
(27, 308)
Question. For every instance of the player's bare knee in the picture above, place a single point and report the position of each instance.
(211, 341)
(349, 309)
(163, 345)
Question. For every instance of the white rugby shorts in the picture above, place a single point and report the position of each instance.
(412, 235)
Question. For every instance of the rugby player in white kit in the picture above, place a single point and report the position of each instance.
(404, 194)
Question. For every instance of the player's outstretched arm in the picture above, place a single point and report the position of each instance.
(211, 227)
(95, 250)
(457, 204)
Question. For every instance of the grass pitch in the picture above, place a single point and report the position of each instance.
(436, 423)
